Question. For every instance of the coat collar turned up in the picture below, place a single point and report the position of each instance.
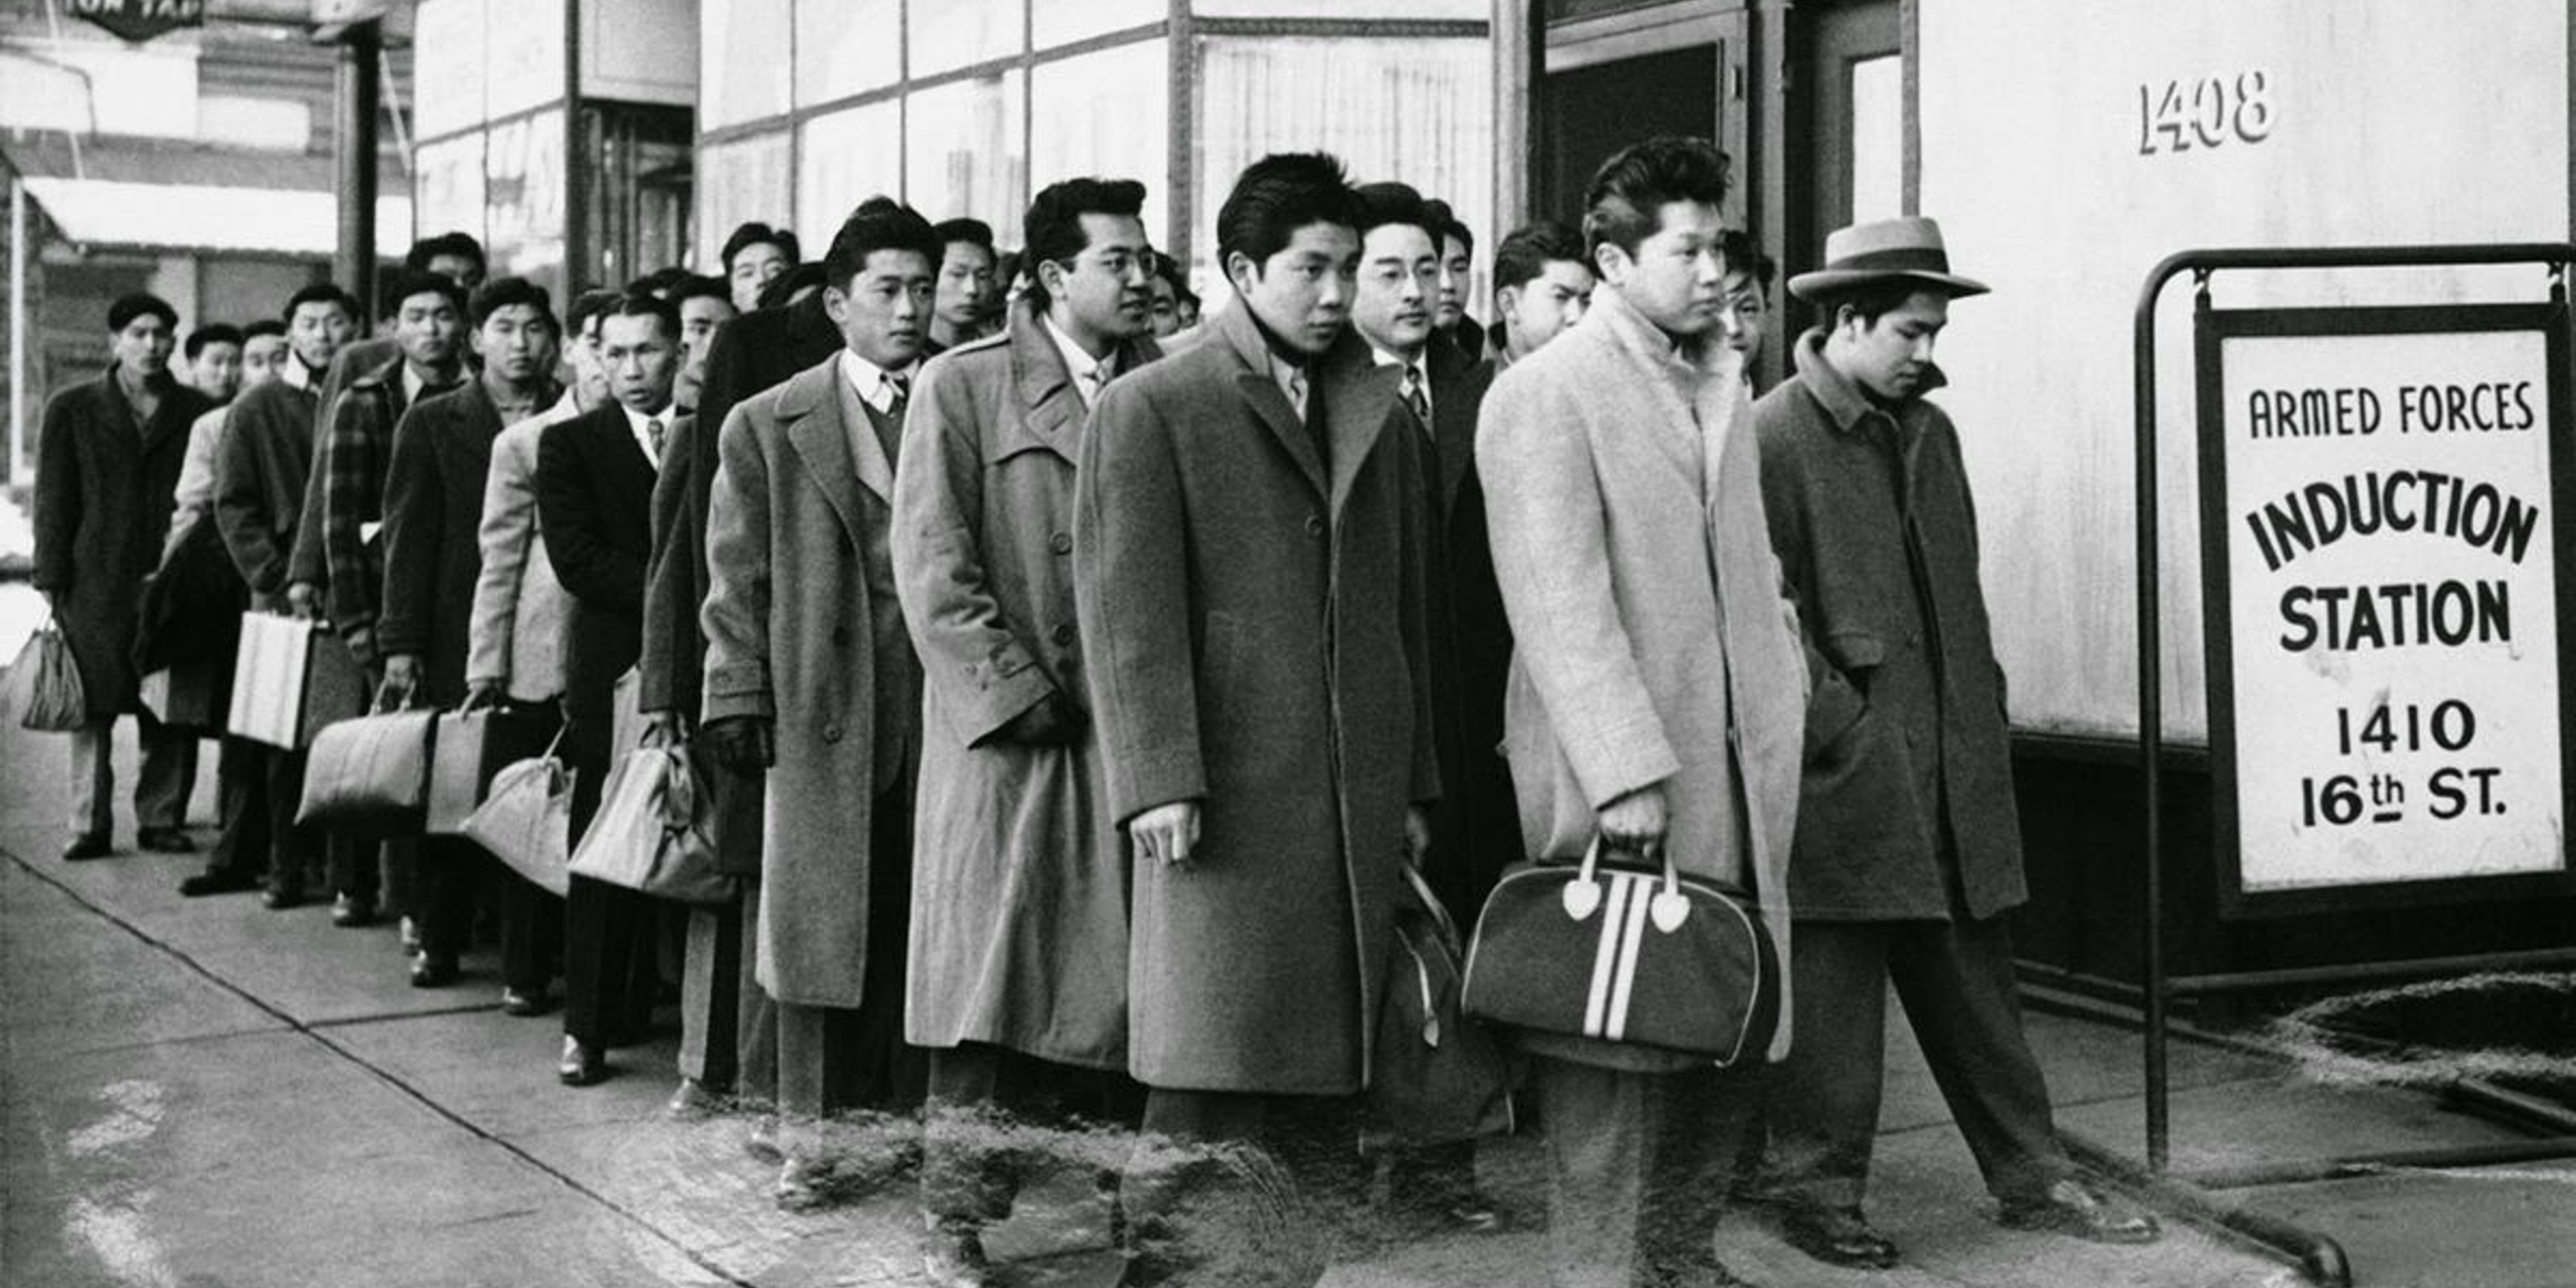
(1358, 395)
(1835, 392)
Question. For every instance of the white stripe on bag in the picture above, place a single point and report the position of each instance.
(1605, 959)
(1641, 893)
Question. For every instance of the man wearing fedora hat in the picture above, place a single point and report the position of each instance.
(1908, 850)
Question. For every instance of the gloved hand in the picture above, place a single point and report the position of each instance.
(741, 744)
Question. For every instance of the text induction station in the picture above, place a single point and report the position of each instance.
(2385, 548)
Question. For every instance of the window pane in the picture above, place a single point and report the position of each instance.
(1059, 23)
(525, 199)
(1878, 138)
(1449, 10)
(739, 182)
(1420, 111)
(741, 45)
(1105, 114)
(846, 47)
(447, 67)
(949, 34)
(842, 160)
(525, 62)
(449, 183)
(968, 152)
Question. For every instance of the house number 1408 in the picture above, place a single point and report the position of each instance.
(2207, 112)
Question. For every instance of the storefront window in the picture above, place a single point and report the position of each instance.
(1105, 114)
(525, 205)
(525, 59)
(741, 50)
(1878, 138)
(949, 34)
(968, 152)
(447, 67)
(450, 185)
(1062, 24)
(739, 182)
(844, 159)
(1419, 111)
(1446, 10)
(846, 47)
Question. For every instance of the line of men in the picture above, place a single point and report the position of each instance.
(1077, 701)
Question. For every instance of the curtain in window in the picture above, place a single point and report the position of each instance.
(1104, 114)
(967, 151)
(739, 182)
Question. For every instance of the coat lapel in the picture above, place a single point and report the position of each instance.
(1051, 408)
(1262, 394)
(1453, 426)
(1358, 397)
(810, 410)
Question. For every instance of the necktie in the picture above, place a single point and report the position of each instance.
(1091, 383)
(898, 391)
(1297, 389)
(653, 436)
(1415, 398)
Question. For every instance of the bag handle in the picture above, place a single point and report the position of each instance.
(1440, 918)
(1582, 896)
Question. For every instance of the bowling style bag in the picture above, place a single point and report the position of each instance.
(1642, 955)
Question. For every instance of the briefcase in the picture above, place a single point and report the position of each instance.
(654, 829)
(189, 697)
(291, 678)
(1638, 955)
(1437, 1076)
(526, 820)
(369, 777)
(467, 749)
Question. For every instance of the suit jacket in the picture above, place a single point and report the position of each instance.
(1253, 613)
(442, 457)
(516, 635)
(1652, 642)
(595, 498)
(104, 479)
(799, 634)
(263, 471)
(750, 354)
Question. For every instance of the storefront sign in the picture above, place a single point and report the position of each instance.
(140, 20)
(2381, 491)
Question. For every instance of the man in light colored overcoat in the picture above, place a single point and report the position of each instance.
(1657, 692)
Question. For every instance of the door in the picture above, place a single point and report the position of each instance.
(1853, 108)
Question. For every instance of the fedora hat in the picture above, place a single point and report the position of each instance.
(1885, 250)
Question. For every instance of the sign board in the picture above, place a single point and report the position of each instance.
(140, 20)
(2382, 493)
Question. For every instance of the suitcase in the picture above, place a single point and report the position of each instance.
(369, 777)
(291, 678)
(467, 749)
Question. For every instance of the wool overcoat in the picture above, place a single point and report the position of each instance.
(516, 633)
(1476, 829)
(263, 468)
(799, 507)
(1870, 511)
(104, 481)
(1019, 891)
(442, 462)
(1652, 642)
(1253, 611)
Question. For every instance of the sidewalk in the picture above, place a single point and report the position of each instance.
(207, 1093)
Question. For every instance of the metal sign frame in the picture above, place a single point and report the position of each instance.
(2212, 329)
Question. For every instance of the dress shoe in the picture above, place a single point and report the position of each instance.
(692, 1102)
(761, 1141)
(1474, 1213)
(525, 1002)
(2073, 1207)
(433, 970)
(1837, 1236)
(581, 1065)
(952, 1256)
(350, 912)
(87, 845)
(217, 881)
(165, 840)
(281, 898)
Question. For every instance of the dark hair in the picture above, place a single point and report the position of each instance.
(973, 232)
(588, 305)
(754, 234)
(638, 304)
(1445, 223)
(211, 333)
(1279, 194)
(783, 288)
(320, 293)
(1623, 206)
(507, 292)
(1870, 300)
(1169, 269)
(1054, 225)
(264, 326)
(1395, 203)
(1736, 247)
(128, 307)
(1530, 248)
(410, 282)
(694, 287)
(450, 243)
(873, 228)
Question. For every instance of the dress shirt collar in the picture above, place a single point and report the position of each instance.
(874, 384)
(636, 423)
(1090, 374)
(295, 373)
(1420, 366)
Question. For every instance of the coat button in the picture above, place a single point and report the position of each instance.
(1314, 525)
(831, 733)
(1063, 633)
(1061, 543)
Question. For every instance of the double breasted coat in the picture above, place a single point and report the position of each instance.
(104, 479)
(1652, 642)
(799, 509)
(1911, 795)
(1253, 616)
(1019, 893)
(442, 461)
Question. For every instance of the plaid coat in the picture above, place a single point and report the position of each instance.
(355, 457)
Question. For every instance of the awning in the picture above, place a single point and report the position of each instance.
(111, 214)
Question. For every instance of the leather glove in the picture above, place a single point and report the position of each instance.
(742, 744)
(1052, 721)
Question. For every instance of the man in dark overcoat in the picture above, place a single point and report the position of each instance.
(1908, 849)
(595, 477)
(1018, 977)
(106, 467)
(442, 455)
(1249, 567)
